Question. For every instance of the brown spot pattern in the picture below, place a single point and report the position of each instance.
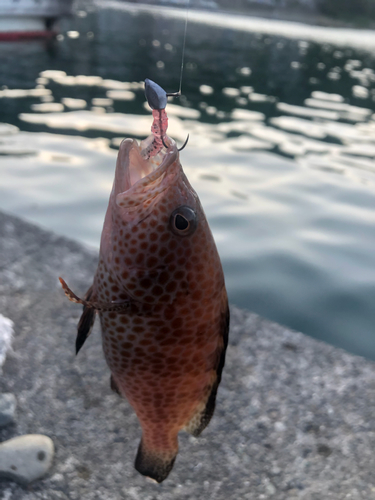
(162, 354)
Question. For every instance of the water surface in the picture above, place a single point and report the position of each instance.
(281, 150)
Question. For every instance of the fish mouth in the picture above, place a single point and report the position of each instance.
(138, 178)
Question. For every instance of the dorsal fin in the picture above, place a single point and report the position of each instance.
(203, 416)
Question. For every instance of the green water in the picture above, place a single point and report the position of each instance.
(281, 150)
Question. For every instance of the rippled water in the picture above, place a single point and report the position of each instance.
(281, 150)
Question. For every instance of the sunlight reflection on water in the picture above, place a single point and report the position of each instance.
(286, 177)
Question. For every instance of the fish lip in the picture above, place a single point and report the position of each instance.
(130, 161)
(167, 159)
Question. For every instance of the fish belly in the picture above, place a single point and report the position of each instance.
(165, 373)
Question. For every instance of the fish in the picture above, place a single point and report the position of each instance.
(160, 294)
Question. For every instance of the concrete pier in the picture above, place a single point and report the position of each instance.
(295, 417)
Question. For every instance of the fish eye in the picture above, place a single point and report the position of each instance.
(183, 221)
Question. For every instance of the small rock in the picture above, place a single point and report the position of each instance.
(275, 471)
(26, 458)
(280, 426)
(7, 408)
(6, 334)
(324, 450)
(269, 487)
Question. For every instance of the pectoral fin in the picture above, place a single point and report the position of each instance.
(121, 305)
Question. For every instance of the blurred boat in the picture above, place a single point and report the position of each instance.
(31, 18)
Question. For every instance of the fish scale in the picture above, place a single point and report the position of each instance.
(160, 294)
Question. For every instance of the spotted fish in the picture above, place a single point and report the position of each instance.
(160, 294)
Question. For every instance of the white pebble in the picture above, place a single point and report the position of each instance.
(26, 458)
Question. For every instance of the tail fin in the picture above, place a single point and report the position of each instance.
(153, 464)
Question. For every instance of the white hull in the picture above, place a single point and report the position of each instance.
(30, 17)
(21, 24)
(35, 8)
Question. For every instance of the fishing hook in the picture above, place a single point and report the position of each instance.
(181, 148)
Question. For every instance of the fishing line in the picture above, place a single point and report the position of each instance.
(177, 94)
(184, 44)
